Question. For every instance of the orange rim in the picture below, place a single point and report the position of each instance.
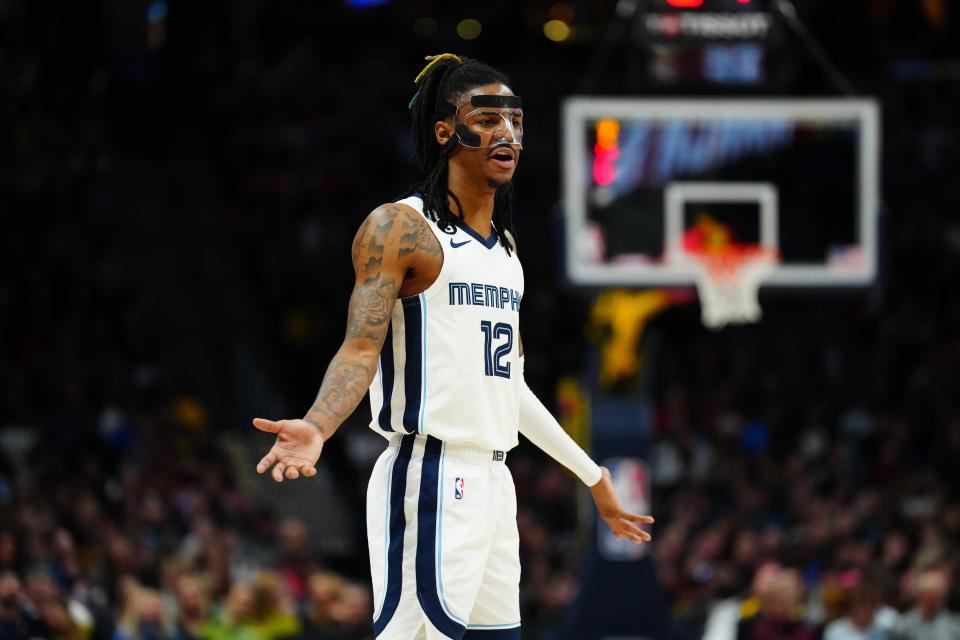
(728, 261)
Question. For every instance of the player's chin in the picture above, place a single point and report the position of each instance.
(499, 178)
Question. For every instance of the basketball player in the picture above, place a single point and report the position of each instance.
(432, 334)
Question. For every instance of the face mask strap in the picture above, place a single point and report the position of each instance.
(496, 102)
(467, 137)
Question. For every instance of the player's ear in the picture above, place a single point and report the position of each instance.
(444, 131)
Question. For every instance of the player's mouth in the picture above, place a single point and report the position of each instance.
(504, 157)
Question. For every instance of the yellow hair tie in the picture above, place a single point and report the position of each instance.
(433, 61)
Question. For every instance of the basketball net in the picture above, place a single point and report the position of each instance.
(728, 280)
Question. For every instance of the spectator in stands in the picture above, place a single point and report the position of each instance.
(724, 611)
(64, 618)
(336, 609)
(294, 561)
(254, 611)
(143, 616)
(17, 617)
(865, 620)
(232, 620)
(193, 607)
(780, 617)
(930, 619)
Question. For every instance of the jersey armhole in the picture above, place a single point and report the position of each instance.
(440, 283)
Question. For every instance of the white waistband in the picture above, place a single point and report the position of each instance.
(459, 451)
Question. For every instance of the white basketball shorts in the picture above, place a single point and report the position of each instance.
(444, 547)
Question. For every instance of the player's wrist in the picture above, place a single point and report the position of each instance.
(314, 419)
(597, 486)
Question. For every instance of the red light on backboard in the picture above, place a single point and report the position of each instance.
(685, 4)
(606, 152)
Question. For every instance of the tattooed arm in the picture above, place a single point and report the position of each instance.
(389, 253)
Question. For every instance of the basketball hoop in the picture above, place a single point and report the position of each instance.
(728, 280)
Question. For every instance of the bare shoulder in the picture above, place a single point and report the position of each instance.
(377, 228)
(396, 239)
(396, 230)
(392, 212)
(417, 237)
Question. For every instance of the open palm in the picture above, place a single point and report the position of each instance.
(295, 451)
(622, 523)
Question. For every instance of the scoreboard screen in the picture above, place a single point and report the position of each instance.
(720, 42)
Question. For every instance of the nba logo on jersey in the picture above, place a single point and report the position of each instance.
(458, 488)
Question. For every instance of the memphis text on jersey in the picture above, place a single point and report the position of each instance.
(486, 295)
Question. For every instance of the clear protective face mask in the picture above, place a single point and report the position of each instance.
(495, 120)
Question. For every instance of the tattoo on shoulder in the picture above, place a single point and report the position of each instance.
(417, 236)
(368, 246)
(360, 239)
(375, 292)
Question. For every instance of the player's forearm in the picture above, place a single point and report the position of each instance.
(543, 430)
(344, 384)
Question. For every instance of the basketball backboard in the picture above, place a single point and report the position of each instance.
(643, 179)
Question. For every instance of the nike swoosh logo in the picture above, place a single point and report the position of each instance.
(457, 245)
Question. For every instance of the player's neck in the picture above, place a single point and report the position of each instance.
(476, 202)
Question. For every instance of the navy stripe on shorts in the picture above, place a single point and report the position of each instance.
(427, 543)
(397, 524)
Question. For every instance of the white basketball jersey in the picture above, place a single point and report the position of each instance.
(449, 361)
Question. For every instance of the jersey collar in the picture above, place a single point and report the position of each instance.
(489, 242)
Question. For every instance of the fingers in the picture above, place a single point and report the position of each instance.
(265, 462)
(634, 535)
(623, 528)
(638, 519)
(637, 532)
(289, 469)
(270, 426)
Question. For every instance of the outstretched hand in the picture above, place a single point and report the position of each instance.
(621, 522)
(295, 451)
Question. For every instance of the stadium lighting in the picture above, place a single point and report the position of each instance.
(556, 30)
(469, 29)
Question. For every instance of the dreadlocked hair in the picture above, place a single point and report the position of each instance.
(445, 79)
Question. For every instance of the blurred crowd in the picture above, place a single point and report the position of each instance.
(802, 527)
(154, 541)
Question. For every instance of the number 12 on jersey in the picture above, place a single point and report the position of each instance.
(493, 364)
